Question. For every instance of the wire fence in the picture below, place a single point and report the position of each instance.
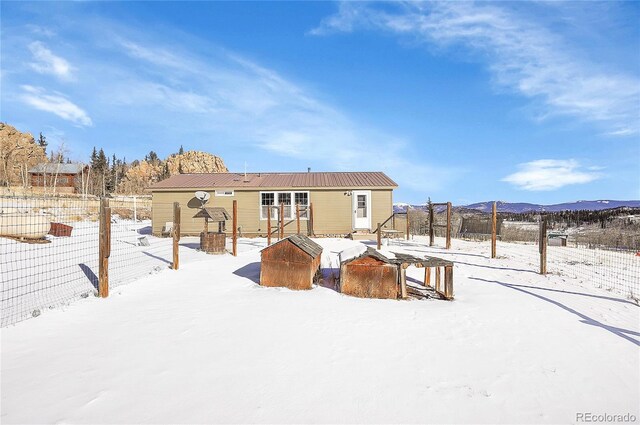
(604, 258)
(49, 250)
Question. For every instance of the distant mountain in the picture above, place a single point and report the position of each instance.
(521, 207)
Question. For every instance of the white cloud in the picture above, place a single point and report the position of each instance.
(55, 103)
(551, 174)
(522, 55)
(48, 63)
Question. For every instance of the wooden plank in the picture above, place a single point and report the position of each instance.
(298, 217)
(403, 283)
(494, 225)
(438, 279)
(379, 234)
(235, 228)
(542, 244)
(448, 246)
(104, 248)
(427, 276)
(176, 236)
(448, 282)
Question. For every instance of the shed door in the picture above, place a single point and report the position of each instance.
(361, 209)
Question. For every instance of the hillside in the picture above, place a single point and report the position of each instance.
(523, 207)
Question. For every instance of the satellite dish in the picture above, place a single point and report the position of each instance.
(202, 196)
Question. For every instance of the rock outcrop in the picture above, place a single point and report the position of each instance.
(139, 177)
(18, 153)
(195, 162)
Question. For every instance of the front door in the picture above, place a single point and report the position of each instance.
(361, 209)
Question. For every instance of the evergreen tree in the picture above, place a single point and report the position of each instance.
(181, 151)
(42, 142)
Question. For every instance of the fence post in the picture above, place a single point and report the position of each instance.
(448, 282)
(494, 230)
(448, 225)
(427, 276)
(379, 237)
(104, 248)
(310, 219)
(542, 245)
(298, 216)
(281, 236)
(176, 236)
(235, 228)
(407, 222)
(269, 226)
(431, 233)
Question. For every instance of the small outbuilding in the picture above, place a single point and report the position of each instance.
(291, 263)
(368, 275)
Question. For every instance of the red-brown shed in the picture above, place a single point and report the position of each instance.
(369, 275)
(291, 262)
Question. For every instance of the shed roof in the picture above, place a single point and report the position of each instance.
(213, 213)
(304, 243)
(276, 180)
(369, 252)
(59, 168)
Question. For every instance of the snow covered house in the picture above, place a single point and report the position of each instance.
(343, 202)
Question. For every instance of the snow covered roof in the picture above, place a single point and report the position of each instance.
(303, 242)
(57, 168)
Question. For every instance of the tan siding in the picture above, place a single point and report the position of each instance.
(332, 211)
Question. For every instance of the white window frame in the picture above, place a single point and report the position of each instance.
(275, 193)
(225, 192)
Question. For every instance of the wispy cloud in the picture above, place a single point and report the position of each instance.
(45, 62)
(551, 174)
(522, 54)
(55, 103)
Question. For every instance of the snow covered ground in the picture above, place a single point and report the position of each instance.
(207, 344)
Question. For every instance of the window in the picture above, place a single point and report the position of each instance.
(269, 200)
(224, 192)
(362, 206)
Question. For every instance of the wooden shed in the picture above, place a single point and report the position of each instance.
(369, 275)
(291, 262)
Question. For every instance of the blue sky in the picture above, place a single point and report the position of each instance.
(534, 102)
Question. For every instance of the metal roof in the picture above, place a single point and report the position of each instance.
(304, 243)
(213, 213)
(276, 180)
(59, 168)
(370, 252)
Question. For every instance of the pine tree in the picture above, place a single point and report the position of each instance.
(181, 151)
(42, 141)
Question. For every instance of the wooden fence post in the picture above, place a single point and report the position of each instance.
(542, 245)
(448, 282)
(379, 237)
(235, 228)
(494, 229)
(403, 282)
(407, 222)
(437, 279)
(104, 250)
(281, 220)
(427, 276)
(176, 236)
(298, 217)
(448, 246)
(269, 226)
(310, 220)
(431, 232)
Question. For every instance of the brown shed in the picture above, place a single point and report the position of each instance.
(369, 275)
(291, 263)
